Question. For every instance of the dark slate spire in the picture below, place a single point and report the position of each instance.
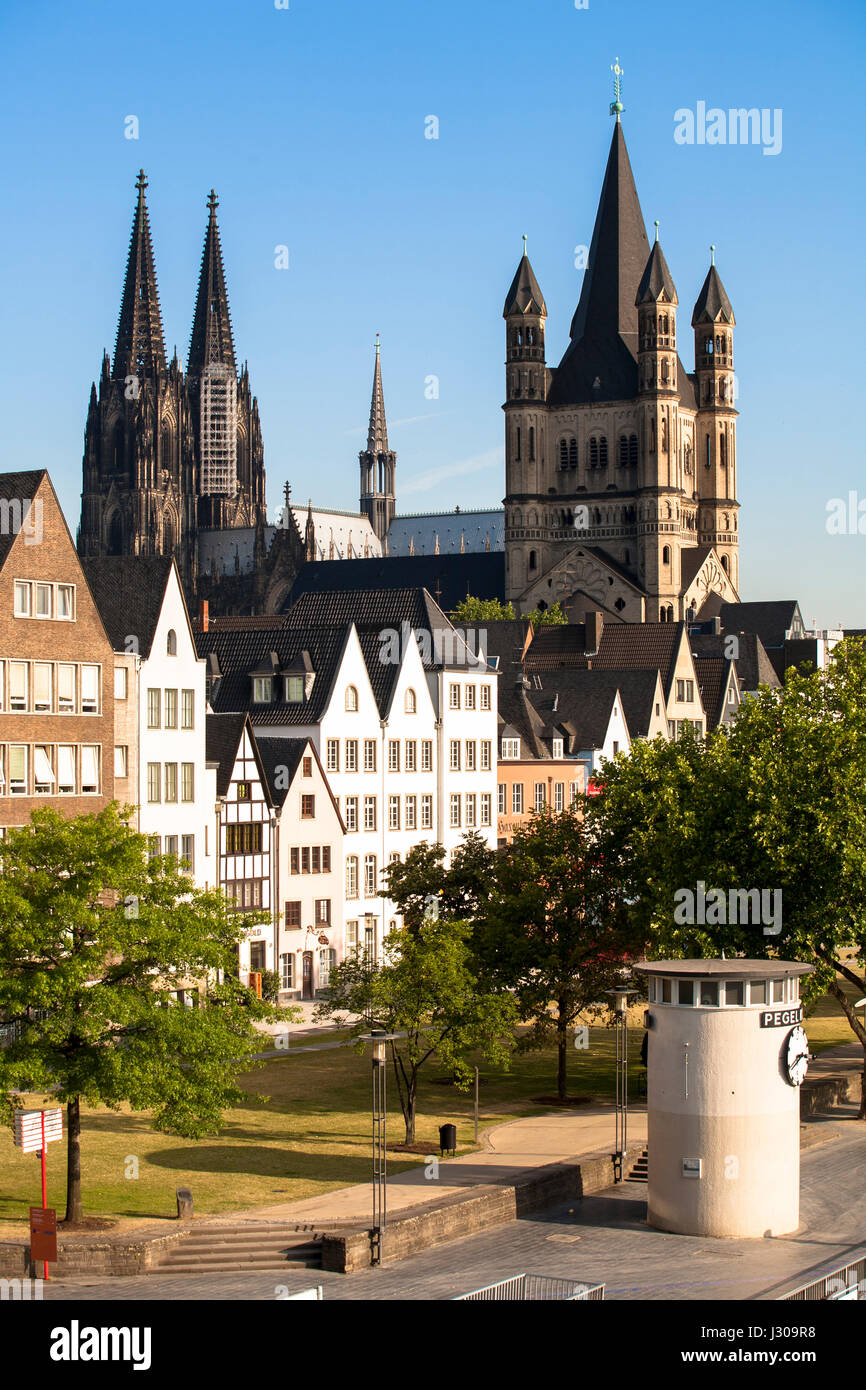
(211, 339)
(656, 282)
(377, 434)
(712, 302)
(139, 350)
(525, 296)
(617, 254)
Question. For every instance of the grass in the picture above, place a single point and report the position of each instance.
(311, 1135)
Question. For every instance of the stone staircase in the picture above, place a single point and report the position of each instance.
(243, 1245)
(639, 1170)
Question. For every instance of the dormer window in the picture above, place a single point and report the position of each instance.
(558, 747)
(294, 689)
(263, 690)
(511, 748)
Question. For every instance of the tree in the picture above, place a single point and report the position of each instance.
(778, 805)
(482, 610)
(557, 929)
(461, 890)
(94, 938)
(548, 617)
(424, 986)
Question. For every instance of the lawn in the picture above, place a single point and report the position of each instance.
(312, 1134)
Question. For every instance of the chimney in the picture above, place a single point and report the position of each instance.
(593, 623)
(203, 614)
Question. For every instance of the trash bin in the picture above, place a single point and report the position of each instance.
(447, 1139)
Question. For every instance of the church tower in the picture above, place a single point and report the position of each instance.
(228, 438)
(378, 462)
(715, 428)
(526, 378)
(137, 497)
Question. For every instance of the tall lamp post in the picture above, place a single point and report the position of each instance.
(619, 1004)
(379, 1038)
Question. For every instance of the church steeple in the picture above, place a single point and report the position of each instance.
(139, 350)
(211, 339)
(378, 462)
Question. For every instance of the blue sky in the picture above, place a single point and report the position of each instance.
(310, 123)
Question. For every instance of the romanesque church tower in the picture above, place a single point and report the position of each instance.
(620, 464)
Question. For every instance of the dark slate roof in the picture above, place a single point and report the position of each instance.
(505, 639)
(277, 755)
(770, 619)
(712, 674)
(691, 559)
(754, 667)
(516, 712)
(222, 740)
(712, 302)
(449, 577)
(239, 652)
(370, 608)
(21, 488)
(656, 282)
(585, 704)
(623, 646)
(129, 591)
(524, 297)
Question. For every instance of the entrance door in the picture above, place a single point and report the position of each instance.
(307, 976)
(257, 955)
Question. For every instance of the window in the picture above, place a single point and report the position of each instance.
(352, 876)
(293, 690)
(486, 808)
(470, 755)
(171, 781)
(710, 993)
(735, 992)
(121, 760)
(287, 967)
(171, 845)
(666, 554)
(332, 755)
(454, 760)
(121, 683)
(187, 781)
(517, 799)
(411, 813)
(294, 860)
(470, 809)
(244, 791)
(502, 791)
(394, 755)
(470, 697)
(393, 813)
(154, 782)
(22, 599)
(187, 709)
(66, 768)
(369, 755)
(686, 992)
(18, 758)
(486, 752)
(573, 792)
(293, 914)
(411, 702)
(559, 796)
(455, 809)
(154, 846)
(426, 755)
(44, 601)
(187, 852)
(426, 812)
(90, 767)
(485, 697)
(351, 755)
(18, 673)
(244, 838)
(454, 697)
(351, 698)
(244, 894)
(777, 991)
(685, 691)
(323, 912)
(370, 941)
(352, 938)
(540, 796)
(66, 689)
(42, 686)
(351, 813)
(262, 690)
(43, 772)
(370, 876)
(154, 700)
(411, 755)
(327, 961)
(307, 767)
(90, 689)
(171, 643)
(308, 806)
(66, 602)
(558, 747)
(369, 813)
(511, 748)
(758, 992)
(171, 709)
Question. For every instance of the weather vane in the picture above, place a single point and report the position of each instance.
(616, 105)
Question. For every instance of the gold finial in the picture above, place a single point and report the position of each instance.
(712, 255)
(616, 106)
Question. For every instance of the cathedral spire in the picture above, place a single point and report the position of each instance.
(377, 434)
(139, 350)
(211, 339)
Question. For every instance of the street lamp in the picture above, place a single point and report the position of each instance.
(378, 1038)
(619, 1004)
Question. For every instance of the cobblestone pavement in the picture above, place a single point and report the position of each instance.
(602, 1238)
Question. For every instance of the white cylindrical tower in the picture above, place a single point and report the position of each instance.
(726, 1056)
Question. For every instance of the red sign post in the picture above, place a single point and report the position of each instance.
(34, 1131)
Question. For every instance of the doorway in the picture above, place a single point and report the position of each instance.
(307, 976)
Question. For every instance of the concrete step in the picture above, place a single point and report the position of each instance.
(639, 1170)
(272, 1238)
(243, 1247)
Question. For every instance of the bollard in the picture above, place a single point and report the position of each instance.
(184, 1204)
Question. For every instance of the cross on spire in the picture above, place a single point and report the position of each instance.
(616, 106)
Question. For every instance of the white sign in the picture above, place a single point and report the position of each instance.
(28, 1128)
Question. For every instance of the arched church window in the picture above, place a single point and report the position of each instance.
(532, 560)
(664, 435)
(114, 544)
(563, 453)
(118, 450)
(531, 443)
(572, 454)
(652, 435)
(663, 614)
(602, 451)
(708, 461)
(666, 555)
(725, 563)
(518, 444)
(723, 448)
(593, 452)
(708, 347)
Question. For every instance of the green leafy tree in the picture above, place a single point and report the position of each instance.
(548, 617)
(425, 987)
(482, 610)
(94, 938)
(460, 890)
(557, 929)
(779, 803)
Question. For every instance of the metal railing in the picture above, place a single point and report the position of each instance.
(534, 1287)
(846, 1281)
